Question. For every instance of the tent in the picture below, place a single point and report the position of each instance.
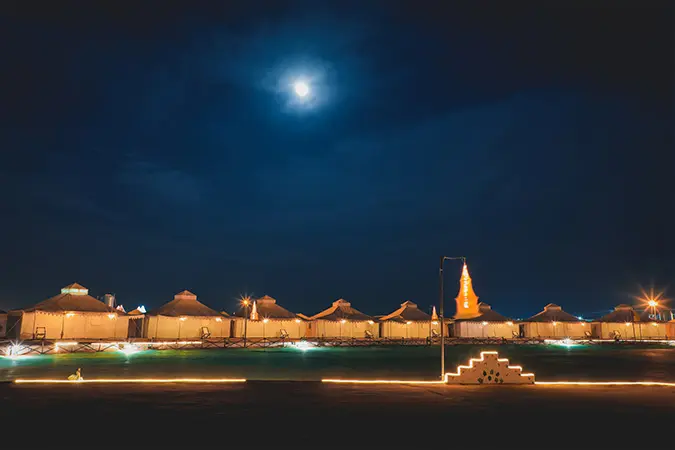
(553, 322)
(626, 323)
(408, 322)
(73, 314)
(185, 317)
(341, 320)
(267, 319)
(488, 324)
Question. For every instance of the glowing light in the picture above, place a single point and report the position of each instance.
(605, 383)
(370, 322)
(627, 324)
(133, 380)
(555, 324)
(266, 320)
(466, 304)
(111, 316)
(434, 323)
(484, 323)
(655, 324)
(583, 324)
(653, 303)
(141, 309)
(408, 323)
(218, 319)
(65, 344)
(509, 323)
(70, 314)
(303, 345)
(183, 319)
(301, 88)
(297, 321)
(338, 380)
(343, 321)
(128, 349)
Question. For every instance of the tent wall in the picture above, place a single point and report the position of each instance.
(416, 330)
(81, 325)
(271, 329)
(647, 330)
(3, 325)
(333, 329)
(560, 330)
(490, 330)
(164, 327)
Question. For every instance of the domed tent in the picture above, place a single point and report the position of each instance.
(341, 320)
(73, 314)
(408, 322)
(553, 322)
(488, 324)
(267, 319)
(185, 317)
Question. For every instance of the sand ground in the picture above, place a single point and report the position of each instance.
(312, 414)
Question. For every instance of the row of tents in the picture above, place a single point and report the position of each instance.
(74, 314)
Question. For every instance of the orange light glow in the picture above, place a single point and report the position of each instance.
(604, 383)
(70, 314)
(337, 380)
(266, 320)
(408, 323)
(627, 324)
(111, 316)
(555, 324)
(653, 303)
(370, 322)
(484, 323)
(343, 321)
(218, 319)
(509, 323)
(297, 321)
(133, 380)
(183, 319)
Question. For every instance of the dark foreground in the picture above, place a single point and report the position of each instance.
(311, 414)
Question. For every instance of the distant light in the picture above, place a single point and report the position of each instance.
(218, 319)
(484, 323)
(652, 303)
(111, 316)
(70, 314)
(128, 349)
(303, 345)
(266, 320)
(580, 318)
(343, 321)
(183, 318)
(434, 323)
(370, 322)
(627, 324)
(301, 88)
(509, 323)
(297, 320)
(408, 323)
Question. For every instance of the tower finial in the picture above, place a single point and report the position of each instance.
(467, 300)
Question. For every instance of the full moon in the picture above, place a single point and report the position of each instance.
(301, 89)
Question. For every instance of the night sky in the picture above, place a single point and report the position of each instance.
(158, 148)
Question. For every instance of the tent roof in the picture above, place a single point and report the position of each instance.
(407, 312)
(486, 315)
(341, 310)
(3, 311)
(73, 298)
(552, 313)
(184, 303)
(622, 313)
(644, 317)
(267, 308)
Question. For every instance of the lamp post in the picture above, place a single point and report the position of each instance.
(441, 317)
(245, 301)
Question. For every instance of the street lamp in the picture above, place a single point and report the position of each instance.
(440, 307)
(246, 302)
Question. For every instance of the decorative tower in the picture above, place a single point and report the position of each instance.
(254, 311)
(467, 300)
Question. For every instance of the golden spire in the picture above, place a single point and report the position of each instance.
(467, 300)
(434, 316)
(254, 312)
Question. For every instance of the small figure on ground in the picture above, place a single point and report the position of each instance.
(77, 376)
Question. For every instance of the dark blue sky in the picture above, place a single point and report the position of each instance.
(152, 149)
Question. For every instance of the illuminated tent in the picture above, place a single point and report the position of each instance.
(185, 317)
(625, 323)
(341, 320)
(553, 322)
(489, 324)
(73, 314)
(267, 319)
(408, 322)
